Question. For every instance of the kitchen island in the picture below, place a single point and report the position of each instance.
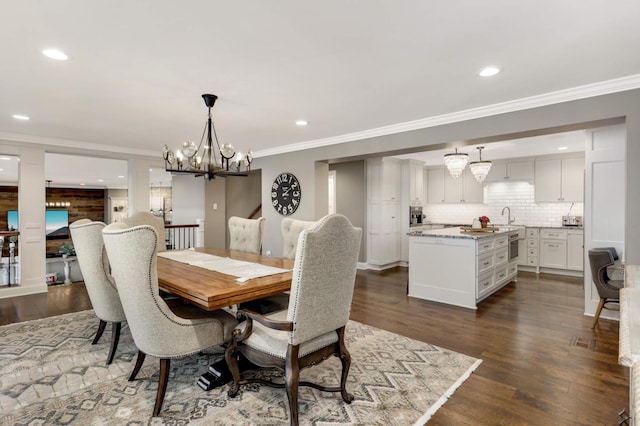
(460, 267)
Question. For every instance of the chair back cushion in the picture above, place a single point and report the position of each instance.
(246, 234)
(599, 260)
(146, 218)
(291, 229)
(155, 329)
(93, 262)
(323, 278)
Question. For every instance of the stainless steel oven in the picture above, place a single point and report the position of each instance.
(513, 246)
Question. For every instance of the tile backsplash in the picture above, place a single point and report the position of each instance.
(518, 196)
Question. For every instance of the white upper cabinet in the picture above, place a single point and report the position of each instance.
(464, 189)
(473, 192)
(383, 179)
(413, 172)
(520, 170)
(391, 175)
(435, 186)
(559, 180)
(510, 170)
(573, 179)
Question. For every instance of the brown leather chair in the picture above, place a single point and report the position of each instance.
(608, 290)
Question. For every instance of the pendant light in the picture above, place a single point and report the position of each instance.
(480, 169)
(203, 159)
(456, 162)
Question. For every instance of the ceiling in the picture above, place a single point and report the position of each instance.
(137, 69)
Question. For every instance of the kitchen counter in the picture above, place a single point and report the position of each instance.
(459, 233)
(459, 268)
(629, 341)
(502, 225)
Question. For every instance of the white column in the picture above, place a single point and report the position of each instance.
(139, 187)
(604, 202)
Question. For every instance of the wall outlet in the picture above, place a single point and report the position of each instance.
(215, 206)
(268, 253)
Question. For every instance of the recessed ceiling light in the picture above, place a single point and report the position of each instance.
(82, 184)
(20, 117)
(121, 176)
(100, 180)
(563, 148)
(301, 122)
(55, 54)
(489, 71)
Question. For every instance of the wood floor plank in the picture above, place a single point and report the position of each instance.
(542, 363)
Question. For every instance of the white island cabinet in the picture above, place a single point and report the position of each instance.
(459, 268)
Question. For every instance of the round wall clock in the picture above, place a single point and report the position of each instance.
(286, 193)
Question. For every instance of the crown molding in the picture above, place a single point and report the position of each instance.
(575, 93)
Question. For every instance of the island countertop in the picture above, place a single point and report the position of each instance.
(459, 233)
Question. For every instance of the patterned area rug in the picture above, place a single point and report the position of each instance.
(51, 374)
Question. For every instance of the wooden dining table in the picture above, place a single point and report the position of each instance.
(211, 290)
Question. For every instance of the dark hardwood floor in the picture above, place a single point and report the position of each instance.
(542, 364)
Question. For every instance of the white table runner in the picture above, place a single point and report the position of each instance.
(238, 268)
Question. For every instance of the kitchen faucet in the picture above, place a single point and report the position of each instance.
(509, 220)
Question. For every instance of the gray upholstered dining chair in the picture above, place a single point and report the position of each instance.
(246, 234)
(157, 329)
(146, 218)
(313, 327)
(92, 258)
(608, 290)
(291, 229)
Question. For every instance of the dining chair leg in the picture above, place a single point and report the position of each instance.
(115, 337)
(101, 327)
(231, 357)
(136, 368)
(597, 316)
(291, 379)
(165, 366)
(345, 359)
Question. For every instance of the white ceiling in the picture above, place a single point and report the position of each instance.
(137, 68)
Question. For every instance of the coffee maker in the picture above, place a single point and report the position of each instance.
(415, 216)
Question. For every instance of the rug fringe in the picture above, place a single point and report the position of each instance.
(440, 402)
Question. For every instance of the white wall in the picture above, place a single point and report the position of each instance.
(188, 196)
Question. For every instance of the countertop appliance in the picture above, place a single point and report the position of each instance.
(416, 218)
(572, 221)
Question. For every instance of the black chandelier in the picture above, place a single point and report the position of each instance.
(203, 160)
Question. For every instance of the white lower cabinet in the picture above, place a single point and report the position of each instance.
(575, 250)
(459, 271)
(553, 254)
(553, 248)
